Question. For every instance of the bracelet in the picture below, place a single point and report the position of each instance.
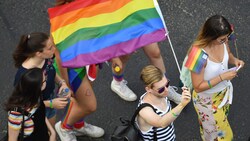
(60, 82)
(50, 104)
(209, 84)
(174, 115)
(220, 78)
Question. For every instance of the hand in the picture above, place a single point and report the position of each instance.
(59, 103)
(239, 62)
(64, 86)
(186, 96)
(229, 75)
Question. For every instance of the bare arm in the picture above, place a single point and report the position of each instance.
(165, 120)
(61, 79)
(51, 130)
(12, 134)
(233, 60)
(62, 71)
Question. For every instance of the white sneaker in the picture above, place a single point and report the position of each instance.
(173, 95)
(65, 135)
(123, 90)
(89, 130)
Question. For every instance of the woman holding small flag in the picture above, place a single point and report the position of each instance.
(208, 60)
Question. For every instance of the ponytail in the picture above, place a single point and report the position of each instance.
(28, 46)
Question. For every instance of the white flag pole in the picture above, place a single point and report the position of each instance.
(167, 33)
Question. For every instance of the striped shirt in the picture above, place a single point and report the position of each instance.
(15, 121)
(163, 134)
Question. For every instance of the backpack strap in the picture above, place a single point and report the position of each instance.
(143, 105)
(21, 110)
(24, 113)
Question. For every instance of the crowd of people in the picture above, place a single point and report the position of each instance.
(33, 104)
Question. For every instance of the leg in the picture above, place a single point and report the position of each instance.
(119, 85)
(83, 105)
(52, 121)
(153, 53)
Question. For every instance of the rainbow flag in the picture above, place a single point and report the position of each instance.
(196, 59)
(93, 31)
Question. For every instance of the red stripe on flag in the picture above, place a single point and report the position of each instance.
(72, 6)
(191, 56)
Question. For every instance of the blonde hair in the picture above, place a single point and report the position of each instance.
(150, 75)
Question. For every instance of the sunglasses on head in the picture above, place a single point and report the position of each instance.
(162, 89)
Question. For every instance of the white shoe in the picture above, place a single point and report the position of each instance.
(65, 135)
(173, 95)
(123, 90)
(89, 130)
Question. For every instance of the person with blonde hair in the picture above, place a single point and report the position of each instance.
(158, 122)
(213, 90)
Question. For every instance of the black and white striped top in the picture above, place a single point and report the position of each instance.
(163, 134)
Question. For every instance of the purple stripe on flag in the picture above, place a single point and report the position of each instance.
(117, 50)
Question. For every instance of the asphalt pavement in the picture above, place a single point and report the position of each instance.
(183, 18)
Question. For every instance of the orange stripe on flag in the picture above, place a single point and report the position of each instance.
(191, 56)
(86, 12)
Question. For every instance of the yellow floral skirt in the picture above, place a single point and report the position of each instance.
(213, 121)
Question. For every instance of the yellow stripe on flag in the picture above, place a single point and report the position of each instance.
(102, 19)
(195, 59)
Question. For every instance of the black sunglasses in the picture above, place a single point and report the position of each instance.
(225, 39)
(162, 89)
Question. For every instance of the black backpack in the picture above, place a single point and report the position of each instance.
(129, 131)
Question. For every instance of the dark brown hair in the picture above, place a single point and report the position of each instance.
(28, 46)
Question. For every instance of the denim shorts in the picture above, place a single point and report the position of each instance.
(50, 112)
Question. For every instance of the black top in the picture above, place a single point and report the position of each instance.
(40, 132)
(50, 73)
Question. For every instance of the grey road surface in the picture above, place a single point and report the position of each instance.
(183, 18)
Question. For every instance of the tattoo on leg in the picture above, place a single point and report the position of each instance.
(88, 92)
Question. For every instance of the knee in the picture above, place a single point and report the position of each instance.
(156, 54)
(90, 108)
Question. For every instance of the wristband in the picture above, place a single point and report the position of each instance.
(209, 84)
(220, 78)
(174, 115)
(50, 104)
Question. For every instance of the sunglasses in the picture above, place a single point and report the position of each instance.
(162, 89)
(225, 39)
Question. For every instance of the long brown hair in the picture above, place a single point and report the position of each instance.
(27, 92)
(213, 28)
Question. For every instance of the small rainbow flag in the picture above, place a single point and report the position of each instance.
(93, 31)
(196, 59)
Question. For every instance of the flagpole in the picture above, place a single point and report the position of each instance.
(158, 9)
(176, 61)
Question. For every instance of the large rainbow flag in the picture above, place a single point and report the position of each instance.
(196, 59)
(93, 31)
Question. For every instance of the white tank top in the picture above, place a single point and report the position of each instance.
(213, 69)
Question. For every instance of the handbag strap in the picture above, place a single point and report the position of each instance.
(22, 127)
(24, 113)
(143, 105)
